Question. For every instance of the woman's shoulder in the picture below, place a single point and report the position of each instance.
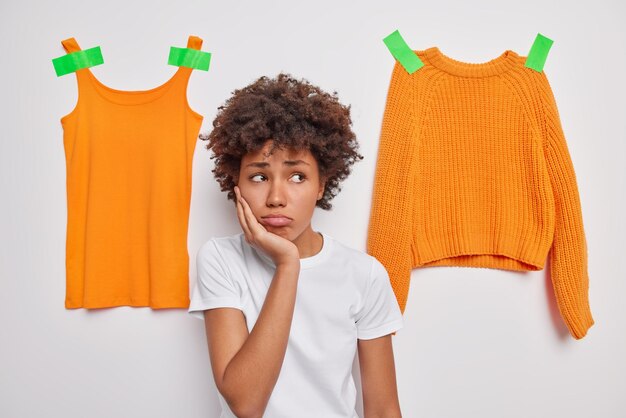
(224, 246)
(347, 252)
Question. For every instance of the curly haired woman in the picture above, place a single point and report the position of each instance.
(286, 307)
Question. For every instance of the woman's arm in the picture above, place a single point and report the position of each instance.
(246, 367)
(378, 378)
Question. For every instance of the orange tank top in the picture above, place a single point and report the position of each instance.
(128, 158)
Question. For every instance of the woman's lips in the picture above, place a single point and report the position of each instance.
(275, 220)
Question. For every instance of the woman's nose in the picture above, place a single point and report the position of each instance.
(276, 195)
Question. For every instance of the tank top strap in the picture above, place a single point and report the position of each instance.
(70, 45)
(194, 42)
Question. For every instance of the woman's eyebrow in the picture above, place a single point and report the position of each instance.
(290, 163)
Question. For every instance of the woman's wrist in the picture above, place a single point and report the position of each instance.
(288, 264)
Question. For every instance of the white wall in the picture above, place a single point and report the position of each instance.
(477, 342)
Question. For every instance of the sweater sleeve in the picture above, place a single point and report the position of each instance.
(390, 225)
(568, 254)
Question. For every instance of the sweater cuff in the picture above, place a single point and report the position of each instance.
(579, 325)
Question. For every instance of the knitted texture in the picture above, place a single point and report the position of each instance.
(473, 170)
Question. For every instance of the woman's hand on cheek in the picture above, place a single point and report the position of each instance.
(281, 250)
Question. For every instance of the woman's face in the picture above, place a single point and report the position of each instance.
(281, 189)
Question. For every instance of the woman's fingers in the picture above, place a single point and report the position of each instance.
(278, 248)
(254, 225)
(241, 215)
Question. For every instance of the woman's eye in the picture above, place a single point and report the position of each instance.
(300, 179)
(297, 178)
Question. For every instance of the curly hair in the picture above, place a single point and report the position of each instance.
(294, 114)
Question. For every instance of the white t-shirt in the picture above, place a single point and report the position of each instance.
(343, 295)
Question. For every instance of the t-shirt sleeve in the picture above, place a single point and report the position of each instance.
(380, 313)
(214, 288)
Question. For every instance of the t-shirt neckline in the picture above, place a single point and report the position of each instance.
(306, 262)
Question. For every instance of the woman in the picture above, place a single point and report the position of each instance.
(286, 307)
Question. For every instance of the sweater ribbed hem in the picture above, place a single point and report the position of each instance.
(484, 260)
(480, 250)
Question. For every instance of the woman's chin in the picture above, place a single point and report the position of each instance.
(282, 231)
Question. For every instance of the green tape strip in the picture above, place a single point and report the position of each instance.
(73, 61)
(539, 53)
(402, 52)
(189, 57)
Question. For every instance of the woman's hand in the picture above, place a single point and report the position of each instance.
(281, 250)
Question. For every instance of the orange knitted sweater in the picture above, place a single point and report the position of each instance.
(473, 170)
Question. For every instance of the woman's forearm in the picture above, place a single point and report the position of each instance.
(251, 375)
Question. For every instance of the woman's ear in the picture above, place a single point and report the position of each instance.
(320, 193)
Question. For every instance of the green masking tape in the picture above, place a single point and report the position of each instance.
(402, 52)
(73, 61)
(189, 57)
(538, 53)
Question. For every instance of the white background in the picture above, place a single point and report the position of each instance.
(477, 342)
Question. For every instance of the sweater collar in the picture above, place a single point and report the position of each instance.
(496, 66)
